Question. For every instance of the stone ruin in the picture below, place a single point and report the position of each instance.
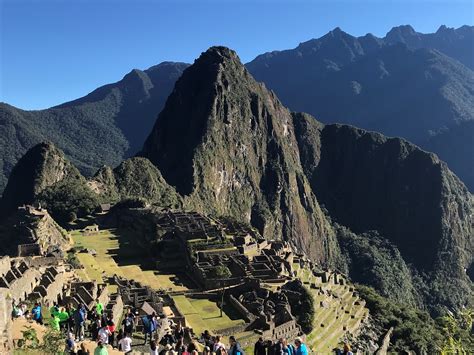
(265, 311)
(146, 300)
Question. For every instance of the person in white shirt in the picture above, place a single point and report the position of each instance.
(103, 336)
(126, 344)
(217, 344)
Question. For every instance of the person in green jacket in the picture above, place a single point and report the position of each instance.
(99, 308)
(101, 349)
(54, 322)
(63, 318)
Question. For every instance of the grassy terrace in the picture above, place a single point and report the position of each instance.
(201, 314)
(334, 317)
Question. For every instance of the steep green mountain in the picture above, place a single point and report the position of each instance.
(228, 145)
(45, 176)
(406, 84)
(103, 127)
(134, 178)
(416, 205)
(230, 148)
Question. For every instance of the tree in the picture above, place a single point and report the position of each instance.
(222, 273)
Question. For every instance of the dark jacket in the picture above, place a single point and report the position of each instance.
(260, 348)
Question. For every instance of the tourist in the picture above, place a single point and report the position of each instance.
(149, 326)
(103, 335)
(179, 344)
(63, 318)
(36, 313)
(288, 349)
(70, 345)
(260, 347)
(153, 348)
(95, 326)
(278, 347)
(82, 350)
(79, 316)
(206, 351)
(129, 322)
(120, 336)
(300, 347)
(182, 350)
(206, 338)
(347, 350)
(70, 316)
(192, 349)
(55, 322)
(99, 307)
(218, 344)
(270, 347)
(168, 339)
(111, 328)
(125, 344)
(16, 311)
(101, 349)
(179, 332)
(235, 348)
(24, 310)
(166, 350)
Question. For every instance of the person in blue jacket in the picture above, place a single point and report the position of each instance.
(301, 348)
(36, 314)
(235, 348)
(149, 326)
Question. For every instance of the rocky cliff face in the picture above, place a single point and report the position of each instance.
(371, 182)
(227, 144)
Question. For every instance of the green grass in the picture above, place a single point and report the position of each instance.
(202, 314)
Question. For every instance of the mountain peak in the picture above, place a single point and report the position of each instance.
(402, 29)
(42, 166)
(217, 55)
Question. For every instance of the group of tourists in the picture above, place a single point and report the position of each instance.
(161, 335)
(280, 347)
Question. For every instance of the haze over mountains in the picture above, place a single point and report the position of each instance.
(408, 84)
(225, 145)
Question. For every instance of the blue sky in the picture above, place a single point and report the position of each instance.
(54, 51)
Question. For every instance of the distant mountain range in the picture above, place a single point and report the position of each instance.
(407, 84)
(104, 127)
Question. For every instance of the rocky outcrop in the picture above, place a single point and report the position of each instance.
(40, 168)
(228, 144)
(135, 178)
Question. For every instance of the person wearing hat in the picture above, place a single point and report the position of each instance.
(300, 347)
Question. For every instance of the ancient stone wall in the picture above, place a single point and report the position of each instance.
(4, 265)
(6, 343)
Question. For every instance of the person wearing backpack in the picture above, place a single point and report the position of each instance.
(128, 322)
(301, 348)
(235, 348)
(288, 349)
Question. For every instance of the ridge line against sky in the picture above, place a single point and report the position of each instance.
(53, 51)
